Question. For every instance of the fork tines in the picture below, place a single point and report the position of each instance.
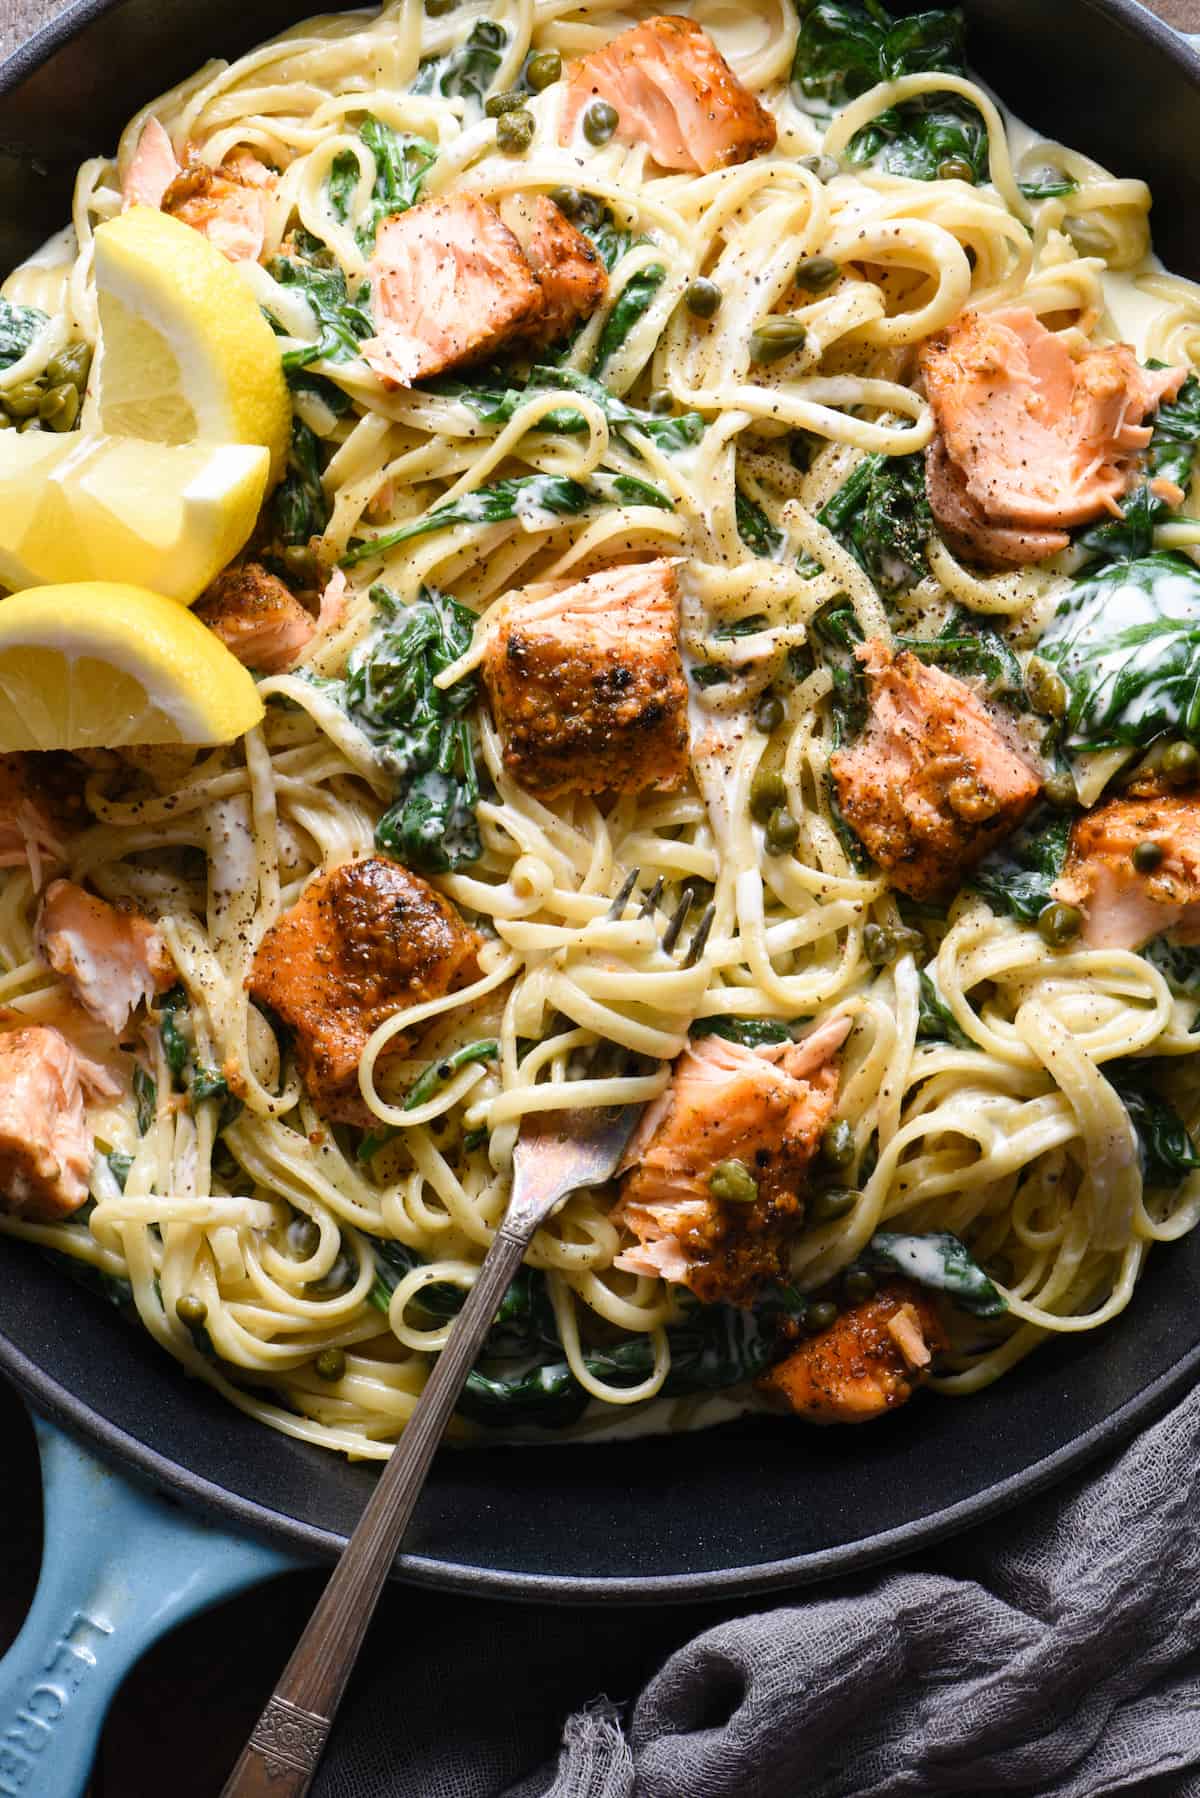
(677, 920)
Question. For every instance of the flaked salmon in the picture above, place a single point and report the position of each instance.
(674, 92)
(870, 1361)
(1043, 428)
(967, 528)
(45, 1138)
(587, 684)
(112, 960)
(35, 821)
(228, 204)
(565, 263)
(933, 782)
(1122, 908)
(449, 283)
(364, 940)
(257, 617)
(765, 1107)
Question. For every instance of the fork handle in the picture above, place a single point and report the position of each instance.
(281, 1757)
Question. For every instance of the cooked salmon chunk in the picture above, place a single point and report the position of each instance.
(868, 1362)
(565, 263)
(933, 782)
(228, 205)
(112, 960)
(967, 528)
(675, 93)
(257, 617)
(364, 941)
(45, 1139)
(1123, 909)
(449, 284)
(1043, 429)
(587, 684)
(765, 1108)
(34, 820)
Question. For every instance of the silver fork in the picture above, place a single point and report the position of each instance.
(556, 1154)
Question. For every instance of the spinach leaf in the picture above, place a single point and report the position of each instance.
(1166, 1148)
(120, 1165)
(145, 1098)
(298, 508)
(881, 515)
(496, 406)
(839, 52)
(750, 1032)
(401, 164)
(19, 325)
(342, 323)
(968, 647)
(1126, 640)
(754, 527)
(915, 140)
(432, 825)
(940, 1262)
(1048, 184)
(1179, 966)
(612, 241)
(716, 674)
(467, 71)
(317, 387)
(424, 1087)
(936, 1022)
(523, 1324)
(631, 304)
(527, 497)
(1017, 876)
(1169, 457)
(175, 1029)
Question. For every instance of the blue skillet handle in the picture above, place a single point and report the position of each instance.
(120, 1568)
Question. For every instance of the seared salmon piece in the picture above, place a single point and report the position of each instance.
(363, 941)
(565, 263)
(45, 1140)
(868, 1362)
(966, 526)
(1123, 909)
(932, 783)
(228, 204)
(449, 284)
(764, 1107)
(112, 960)
(675, 93)
(1044, 430)
(37, 810)
(587, 684)
(256, 617)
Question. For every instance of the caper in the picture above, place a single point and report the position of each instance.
(831, 1203)
(24, 399)
(543, 70)
(59, 407)
(303, 1238)
(957, 168)
(733, 1181)
(837, 1143)
(767, 793)
(821, 1316)
(1059, 924)
(774, 338)
(330, 1364)
(71, 364)
(190, 1310)
(816, 273)
(661, 402)
(1147, 856)
(1060, 790)
(511, 100)
(884, 942)
(783, 832)
(858, 1285)
(514, 132)
(703, 298)
(600, 121)
(823, 167)
(769, 713)
(1180, 764)
(583, 208)
(303, 569)
(1046, 688)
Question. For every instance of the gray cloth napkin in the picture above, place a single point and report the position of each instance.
(1055, 1651)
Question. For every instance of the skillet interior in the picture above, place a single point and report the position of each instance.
(758, 1503)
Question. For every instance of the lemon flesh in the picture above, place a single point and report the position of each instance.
(185, 354)
(98, 664)
(167, 517)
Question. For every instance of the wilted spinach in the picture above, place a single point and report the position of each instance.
(754, 527)
(342, 323)
(19, 325)
(1169, 457)
(881, 514)
(467, 71)
(750, 1032)
(145, 1098)
(632, 303)
(299, 509)
(969, 648)
(718, 674)
(942, 1263)
(496, 405)
(936, 1022)
(1126, 640)
(1179, 966)
(424, 1087)
(1166, 1148)
(1048, 184)
(1017, 876)
(401, 164)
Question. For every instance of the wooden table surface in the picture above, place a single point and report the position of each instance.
(219, 1667)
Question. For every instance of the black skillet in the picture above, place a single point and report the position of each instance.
(756, 1504)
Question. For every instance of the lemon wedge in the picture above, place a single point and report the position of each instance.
(185, 354)
(164, 516)
(96, 664)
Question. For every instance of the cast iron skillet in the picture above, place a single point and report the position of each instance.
(759, 1503)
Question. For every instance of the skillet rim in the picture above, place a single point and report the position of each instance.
(116, 1445)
